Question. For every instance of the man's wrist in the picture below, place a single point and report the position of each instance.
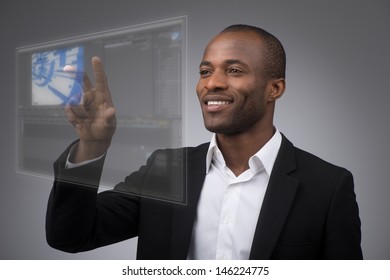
(69, 164)
(87, 150)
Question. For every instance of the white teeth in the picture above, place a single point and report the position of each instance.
(217, 102)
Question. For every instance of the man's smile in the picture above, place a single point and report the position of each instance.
(216, 103)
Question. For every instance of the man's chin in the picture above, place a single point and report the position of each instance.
(222, 129)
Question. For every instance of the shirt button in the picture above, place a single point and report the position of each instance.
(227, 220)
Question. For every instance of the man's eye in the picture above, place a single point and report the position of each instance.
(235, 71)
(204, 72)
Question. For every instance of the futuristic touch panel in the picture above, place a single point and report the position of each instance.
(145, 67)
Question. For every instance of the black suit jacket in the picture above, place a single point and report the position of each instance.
(309, 209)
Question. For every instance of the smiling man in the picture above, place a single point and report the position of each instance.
(250, 193)
(237, 93)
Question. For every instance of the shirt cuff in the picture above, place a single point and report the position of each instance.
(69, 165)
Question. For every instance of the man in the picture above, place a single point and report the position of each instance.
(250, 193)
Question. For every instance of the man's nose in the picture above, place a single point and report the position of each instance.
(216, 81)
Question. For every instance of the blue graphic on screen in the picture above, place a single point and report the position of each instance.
(51, 85)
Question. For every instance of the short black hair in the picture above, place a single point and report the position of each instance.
(274, 53)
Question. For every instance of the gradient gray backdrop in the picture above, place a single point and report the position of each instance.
(335, 106)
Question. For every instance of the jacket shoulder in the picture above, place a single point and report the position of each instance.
(183, 152)
(308, 161)
(307, 166)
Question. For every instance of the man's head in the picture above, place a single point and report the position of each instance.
(272, 51)
(241, 75)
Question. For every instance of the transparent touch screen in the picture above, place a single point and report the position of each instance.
(145, 67)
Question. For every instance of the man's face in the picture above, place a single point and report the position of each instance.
(231, 87)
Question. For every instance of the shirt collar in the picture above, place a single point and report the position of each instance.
(264, 158)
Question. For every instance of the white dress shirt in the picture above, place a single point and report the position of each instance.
(229, 206)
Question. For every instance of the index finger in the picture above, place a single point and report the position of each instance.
(101, 79)
(99, 74)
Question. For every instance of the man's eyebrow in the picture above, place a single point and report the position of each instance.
(234, 61)
(227, 62)
(205, 63)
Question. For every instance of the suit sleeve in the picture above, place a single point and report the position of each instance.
(80, 219)
(343, 229)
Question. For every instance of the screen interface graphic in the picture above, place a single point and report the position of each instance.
(51, 85)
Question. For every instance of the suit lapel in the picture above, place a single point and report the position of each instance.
(183, 216)
(277, 202)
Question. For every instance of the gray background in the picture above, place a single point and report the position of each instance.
(335, 105)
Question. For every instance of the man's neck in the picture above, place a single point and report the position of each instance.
(238, 148)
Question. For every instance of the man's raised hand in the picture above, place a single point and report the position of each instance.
(94, 119)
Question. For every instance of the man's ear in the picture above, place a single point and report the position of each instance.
(275, 89)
